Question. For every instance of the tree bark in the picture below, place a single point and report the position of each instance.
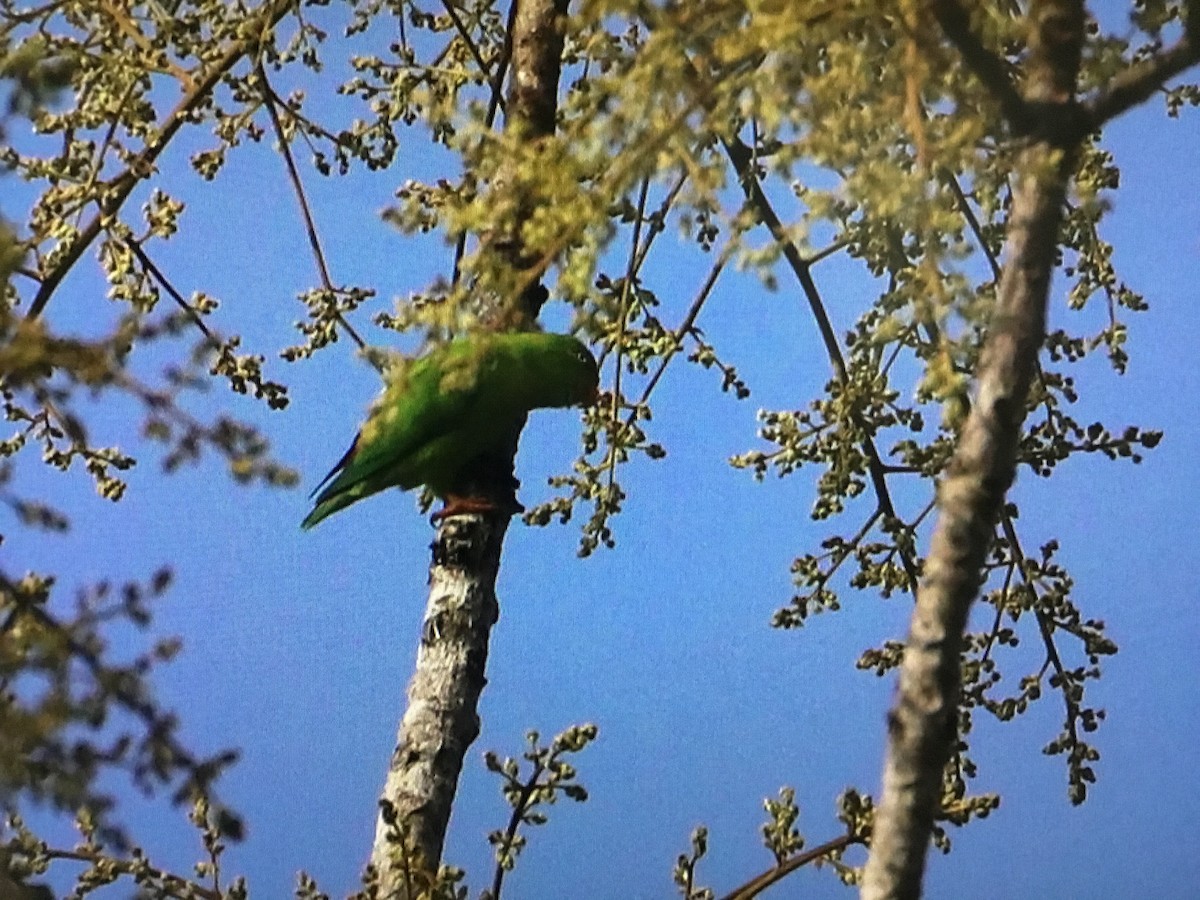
(922, 725)
(441, 720)
(923, 722)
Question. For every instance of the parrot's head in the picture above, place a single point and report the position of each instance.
(587, 376)
(565, 370)
(558, 370)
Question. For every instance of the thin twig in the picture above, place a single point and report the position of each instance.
(495, 103)
(310, 225)
(964, 207)
(514, 823)
(149, 266)
(995, 631)
(309, 125)
(130, 29)
(631, 269)
(824, 252)
(848, 548)
(665, 207)
(757, 885)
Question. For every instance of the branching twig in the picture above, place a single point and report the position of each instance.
(1044, 630)
(741, 158)
(169, 881)
(465, 35)
(689, 321)
(141, 166)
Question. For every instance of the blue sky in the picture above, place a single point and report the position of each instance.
(299, 646)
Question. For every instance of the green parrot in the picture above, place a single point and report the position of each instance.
(442, 411)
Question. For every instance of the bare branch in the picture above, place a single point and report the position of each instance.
(757, 885)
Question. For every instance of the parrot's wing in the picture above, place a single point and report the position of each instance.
(427, 400)
(443, 410)
(414, 410)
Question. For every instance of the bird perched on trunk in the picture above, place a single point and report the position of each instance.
(444, 411)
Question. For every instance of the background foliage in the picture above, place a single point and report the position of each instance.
(830, 152)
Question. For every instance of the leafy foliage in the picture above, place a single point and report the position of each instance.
(714, 121)
(550, 776)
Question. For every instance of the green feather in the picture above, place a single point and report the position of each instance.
(440, 412)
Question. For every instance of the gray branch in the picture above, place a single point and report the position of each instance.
(441, 720)
(922, 725)
(923, 722)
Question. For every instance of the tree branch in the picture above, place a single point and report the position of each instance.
(923, 721)
(760, 883)
(441, 720)
(140, 168)
(1138, 82)
(989, 67)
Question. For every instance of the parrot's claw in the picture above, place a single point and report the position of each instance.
(468, 506)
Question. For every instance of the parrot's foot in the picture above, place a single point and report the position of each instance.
(466, 506)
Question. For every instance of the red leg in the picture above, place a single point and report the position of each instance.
(463, 506)
(456, 505)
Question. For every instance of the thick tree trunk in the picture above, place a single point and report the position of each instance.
(441, 720)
